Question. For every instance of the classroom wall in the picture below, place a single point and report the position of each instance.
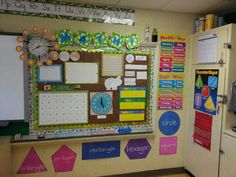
(165, 22)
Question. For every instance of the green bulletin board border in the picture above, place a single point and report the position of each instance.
(37, 129)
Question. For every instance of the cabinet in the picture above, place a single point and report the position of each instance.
(228, 155)
(202, 162)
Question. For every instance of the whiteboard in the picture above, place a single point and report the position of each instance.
(81, 73)
(11, 80)
(57, 108)
(207, 49)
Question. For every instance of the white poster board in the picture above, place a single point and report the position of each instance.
(112, 65)
(51, 73)
(207, 49)
(57, 108)
(81, 73)
(12, 106)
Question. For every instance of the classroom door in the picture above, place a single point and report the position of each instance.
(203, 161)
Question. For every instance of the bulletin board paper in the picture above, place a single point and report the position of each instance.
(112, 65)
(207, 49)
(100, 124)
(51, 73)
(75, 73)
(63, 108)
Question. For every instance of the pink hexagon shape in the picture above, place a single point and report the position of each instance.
(63, 159)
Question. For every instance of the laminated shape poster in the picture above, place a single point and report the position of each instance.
(205, 94)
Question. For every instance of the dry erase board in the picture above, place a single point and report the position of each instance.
(95, 93)
(12, 89)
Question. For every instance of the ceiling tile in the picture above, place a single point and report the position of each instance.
(186, 6)
(147, 4)
(190, 6)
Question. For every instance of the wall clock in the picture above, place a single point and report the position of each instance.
(101, 103)
(37, 46)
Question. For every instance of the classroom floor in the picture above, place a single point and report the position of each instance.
(179, 175)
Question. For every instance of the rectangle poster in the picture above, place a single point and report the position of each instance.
(203, 129)
(205, 94)
(100, 150)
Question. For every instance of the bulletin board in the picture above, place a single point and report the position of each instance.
(101, 92)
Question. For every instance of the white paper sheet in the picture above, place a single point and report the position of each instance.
(130, 73)
(51, 73)
(142, 75)
(141, 58)
(207, 49)
(81, 73)
(112, 65)
(130, 81)
(135, 67)
(63, 108)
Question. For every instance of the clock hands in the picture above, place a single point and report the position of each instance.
(102, 103)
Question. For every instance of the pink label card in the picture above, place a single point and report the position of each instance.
(168, 145)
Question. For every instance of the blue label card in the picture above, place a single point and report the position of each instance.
(100, 150)
(169, 123)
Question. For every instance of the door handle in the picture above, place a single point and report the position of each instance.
(221, 152)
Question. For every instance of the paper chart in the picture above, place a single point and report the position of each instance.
(171, 68)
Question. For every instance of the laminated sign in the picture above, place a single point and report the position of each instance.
(203, 129)
(206, 86)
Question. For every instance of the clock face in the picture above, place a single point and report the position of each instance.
(38, 46)
(101, 103)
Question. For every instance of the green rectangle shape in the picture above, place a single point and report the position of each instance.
(166, 90)
(178, 65)
(166, 48)
(132, 100)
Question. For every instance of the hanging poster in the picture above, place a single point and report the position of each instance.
(100, 150)
(63, 159)
(171, 78)
(168, 145)
(170, 91)
(137, 148)
(205, 94)
(172, 58)
(203, 129)
(32, 164)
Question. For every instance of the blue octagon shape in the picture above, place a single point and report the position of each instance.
(101, 103)
(169, 123)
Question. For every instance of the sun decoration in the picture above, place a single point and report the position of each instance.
(39, 47)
